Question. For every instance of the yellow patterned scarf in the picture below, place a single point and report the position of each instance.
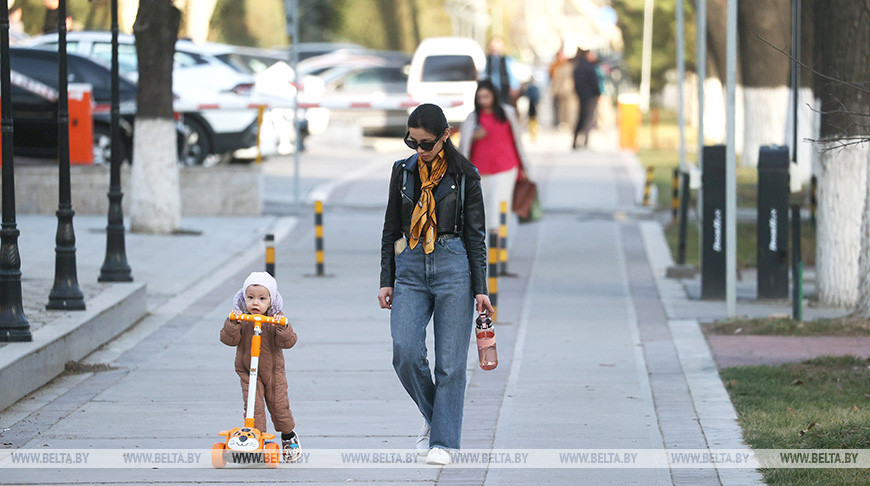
(423, 222)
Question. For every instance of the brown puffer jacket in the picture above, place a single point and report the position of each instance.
(271, 378)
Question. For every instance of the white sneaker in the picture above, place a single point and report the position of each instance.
(438, 457)
(423, 440)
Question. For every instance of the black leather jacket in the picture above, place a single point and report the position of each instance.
(469, 224)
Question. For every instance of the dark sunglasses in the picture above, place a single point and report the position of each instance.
(413, 144)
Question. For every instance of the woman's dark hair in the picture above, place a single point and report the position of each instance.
(431, 118)
(497, 108)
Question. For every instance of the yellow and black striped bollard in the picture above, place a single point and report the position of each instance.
(318, 236)
(648, 186)
(493, 273)
(270, 254)
(675, 197)
(260, 110)
(502, 240)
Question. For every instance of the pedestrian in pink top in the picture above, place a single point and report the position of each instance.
(491, 139)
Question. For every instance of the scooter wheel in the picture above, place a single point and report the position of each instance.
(217, 455)
(271, 455)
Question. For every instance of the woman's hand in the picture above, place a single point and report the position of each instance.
(483, 304)
(479, 133)
(385, 297)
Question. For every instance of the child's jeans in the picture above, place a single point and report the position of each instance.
(436, 284)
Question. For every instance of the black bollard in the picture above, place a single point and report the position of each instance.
(65, 294)
(115, 267)
(14, 326)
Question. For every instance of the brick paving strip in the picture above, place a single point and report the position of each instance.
(748, 350)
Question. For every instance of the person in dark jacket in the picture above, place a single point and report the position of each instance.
(433, 265)
(586, 85)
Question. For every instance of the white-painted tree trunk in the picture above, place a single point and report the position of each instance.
(765, 114)
(841, 196)
(862, 305)
(715, 113)
(155, 194)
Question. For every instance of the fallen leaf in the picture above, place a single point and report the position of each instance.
(802, 432)
(797, 382)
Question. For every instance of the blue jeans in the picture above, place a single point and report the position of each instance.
(439, 285)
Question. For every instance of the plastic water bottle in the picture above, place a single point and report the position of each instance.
(486, 343)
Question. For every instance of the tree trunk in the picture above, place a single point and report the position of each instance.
(843, 46)
(155, 205)
(714, 85)
(392, 24)
(765, 73)
(862, 304)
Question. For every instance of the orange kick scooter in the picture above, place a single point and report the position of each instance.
(247, 439)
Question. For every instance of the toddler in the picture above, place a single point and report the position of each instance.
(259, 295)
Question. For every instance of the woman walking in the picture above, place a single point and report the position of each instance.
(490, 138)
(433, 265)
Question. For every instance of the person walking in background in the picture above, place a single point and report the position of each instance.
(490, 138)
(562, 90)
(433, 266)
(586, 86)
(558, 92)
(500, 70)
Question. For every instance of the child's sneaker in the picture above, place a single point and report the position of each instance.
(292, 449)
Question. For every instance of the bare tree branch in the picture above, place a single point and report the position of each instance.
(838, 81)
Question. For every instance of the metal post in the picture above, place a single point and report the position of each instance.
(797, 265)
(291, 8)
(731, 164)
(701, 67)
(65, 294)
(681, 77)
(13, 324)
(684, 216)
(115, 267)
(795, 72)
(675, 196)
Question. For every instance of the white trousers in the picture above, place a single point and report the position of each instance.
(497, 188)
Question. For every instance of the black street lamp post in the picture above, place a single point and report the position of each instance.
(13, 323)
(66, 294)
(115, 267)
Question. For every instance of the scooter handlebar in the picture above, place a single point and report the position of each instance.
(279, 321)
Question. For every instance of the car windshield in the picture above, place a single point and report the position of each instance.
(449, 68)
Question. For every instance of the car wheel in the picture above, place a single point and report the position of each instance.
(198, 145)
(103, 146)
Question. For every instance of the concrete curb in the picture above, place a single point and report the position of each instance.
(24, 367)
(716, 414)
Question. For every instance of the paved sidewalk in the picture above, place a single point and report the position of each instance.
(597, 350)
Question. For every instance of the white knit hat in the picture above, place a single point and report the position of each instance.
(265, 280)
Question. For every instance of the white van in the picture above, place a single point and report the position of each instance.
(446, 69)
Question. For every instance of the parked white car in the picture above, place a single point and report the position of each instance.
(447, 68)
(214, 98)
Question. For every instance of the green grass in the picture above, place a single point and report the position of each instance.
(775, 403)
(777, 326)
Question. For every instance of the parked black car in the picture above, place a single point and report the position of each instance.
(34, 103)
